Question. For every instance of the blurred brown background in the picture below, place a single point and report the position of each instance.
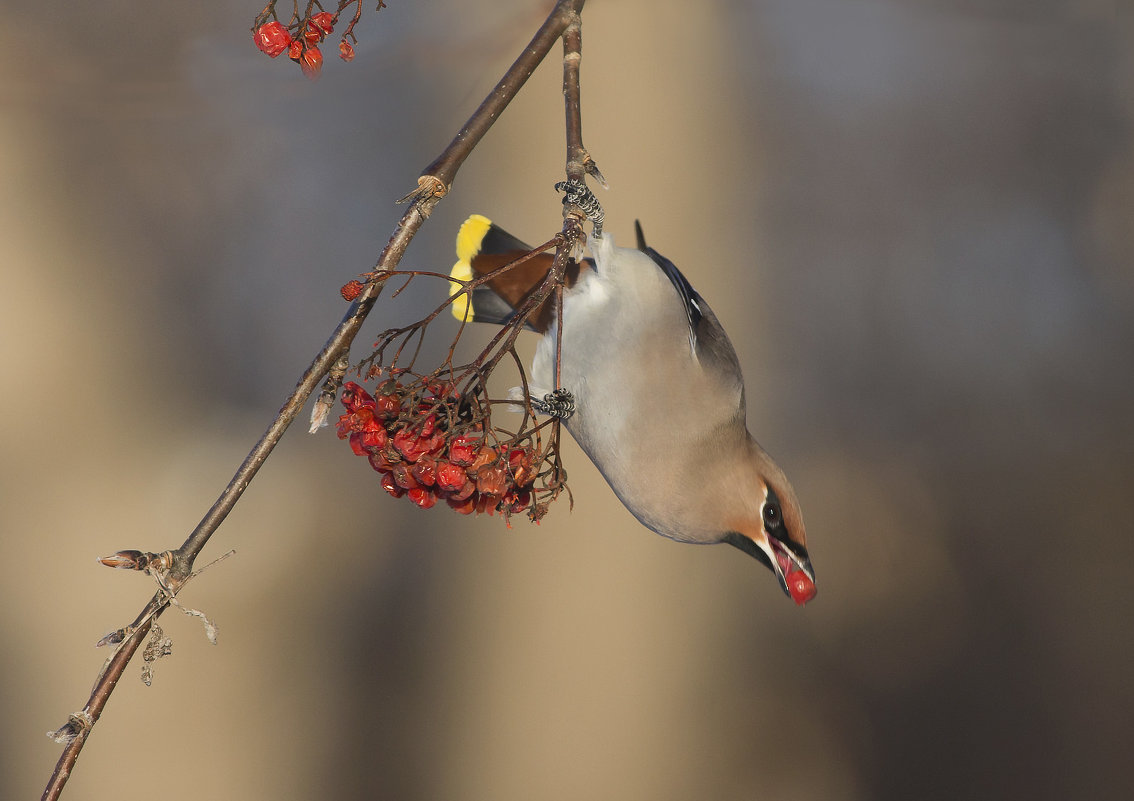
(913, 217)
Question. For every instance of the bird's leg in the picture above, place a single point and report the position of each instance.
(558, 403)
(579, 194)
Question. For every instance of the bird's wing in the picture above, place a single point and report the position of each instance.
(707, 339)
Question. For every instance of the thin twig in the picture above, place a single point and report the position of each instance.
(434, 184)
(444, 168)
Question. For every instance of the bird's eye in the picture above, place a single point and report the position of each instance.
(773, 519)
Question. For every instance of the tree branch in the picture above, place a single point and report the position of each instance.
(435, 182)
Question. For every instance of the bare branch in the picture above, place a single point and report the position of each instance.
(435, 182)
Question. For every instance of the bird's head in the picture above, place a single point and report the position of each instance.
(773, 532)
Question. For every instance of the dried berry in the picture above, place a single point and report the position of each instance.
(492, 481)
(425, 471)
(272, 38)
(422, 497)
(463, 448)
(311, 62)
(450, 477)
(351, 290)
(390, 486)
(324, 22)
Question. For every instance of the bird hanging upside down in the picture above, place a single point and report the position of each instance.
(651, 389)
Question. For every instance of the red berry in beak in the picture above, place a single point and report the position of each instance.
(800, 587)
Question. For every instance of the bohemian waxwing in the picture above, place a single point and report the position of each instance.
(656, 396)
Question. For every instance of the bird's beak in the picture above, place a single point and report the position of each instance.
(792, 569)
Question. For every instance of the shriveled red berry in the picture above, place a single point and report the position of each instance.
(371, 439)
(356, 443)
(387, 405)
(492, 481)
(517, 501)
(486, 504)
(391, 486)
(422, 497)
(464, 506)
(484, 456)
(311, 62)
(463, 448)
(434, 444)
(425, 471)
(353, 397)
(346, 51)
(520, 463)
(272, 38)
(408, 445)
(450, 477)
(379, 461)
(465, 491)
(295, 49)
(324, 21)
(428, 426)
(403, 477)
(351, 290)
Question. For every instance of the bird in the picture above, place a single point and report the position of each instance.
(650, 387)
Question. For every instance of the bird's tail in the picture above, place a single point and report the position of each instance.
(484, 247)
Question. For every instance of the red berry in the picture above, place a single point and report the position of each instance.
(387, 406)
(467, 490)
(801, 587)
(450, 477)
(462, 449)
(379, 461)
(492, 481)
(324, 21)
(465, 506)
(517, 501)
(354, 397)
(422, 497)
(486, 503)
(272, 38)
(295, 49)
(403, 478)
(520, 462)
(428, 426)
(351, 290)
(407, 444)
(391, 487)
(484, 456)
(372, 439)
(311, 62)
(346, 52)
(434, 444)
(356, 443)
(425, 471)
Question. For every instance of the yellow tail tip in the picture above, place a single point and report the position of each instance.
(469, 239)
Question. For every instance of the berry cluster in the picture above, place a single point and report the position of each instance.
(301, 40)
(421, 438)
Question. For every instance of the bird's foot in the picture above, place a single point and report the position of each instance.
(579, 194)
(558, 403)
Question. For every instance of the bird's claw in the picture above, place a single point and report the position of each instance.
(558, 403)
(577, 193)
